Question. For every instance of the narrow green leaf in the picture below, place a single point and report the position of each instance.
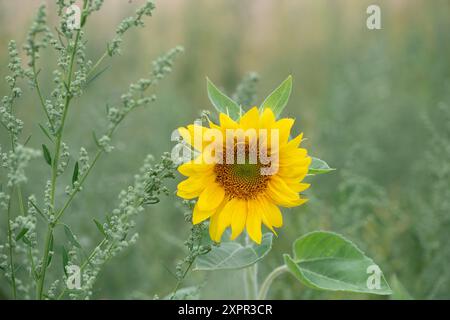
(27, 241)
(279, 98)
(75, 173)
(38, 210)
(21, 234)
(45, 132)
(233, 255)
(328, 261)
(95, 76)
(47, 156)
(71, 237)
(65, 258)
(27, 140)
(319, 166)
(100, 227)
(222, 102)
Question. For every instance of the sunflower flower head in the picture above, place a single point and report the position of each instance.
(243, 172)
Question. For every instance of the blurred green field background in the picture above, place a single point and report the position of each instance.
(373, 104)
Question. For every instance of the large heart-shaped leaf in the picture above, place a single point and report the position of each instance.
(319, 166)
(233, 255)
(222, 102)
(279, 98)
(328, 261)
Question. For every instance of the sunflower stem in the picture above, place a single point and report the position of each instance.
(268, 281)
(250, 282)
(250, 278)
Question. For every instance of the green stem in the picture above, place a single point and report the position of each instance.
(11, 249)
(250, 275)
(63, 120)
(59, 134)
(10, 242)
(33, 266)
(268, 281)
(254, 274)
(180, 280)
(40, 284)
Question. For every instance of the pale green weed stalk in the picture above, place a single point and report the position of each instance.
(22, 263)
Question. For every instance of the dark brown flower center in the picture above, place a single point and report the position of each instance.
(241, 180)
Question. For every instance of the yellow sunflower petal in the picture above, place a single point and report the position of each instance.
(224, 219)
(272, 215)
(196, 166)
(194, 136)
(211, 197)
(226, 122)
(212, 125)
(284, 126)
(254, 222)
(298, 187)
(213, 223)
(239, 209)
(193, 186)
(267, 119)
(200, 215)
(280, 193)
(250, 119)
(218, 223)
(260, 207)
(294, 143)
(294, 157)
(297, 171)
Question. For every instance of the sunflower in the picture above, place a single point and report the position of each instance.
(243, 194)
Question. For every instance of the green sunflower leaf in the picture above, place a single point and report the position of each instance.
(233, 255)
(319, 166)
(328, 261)
(222, 102)
(279, 98)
